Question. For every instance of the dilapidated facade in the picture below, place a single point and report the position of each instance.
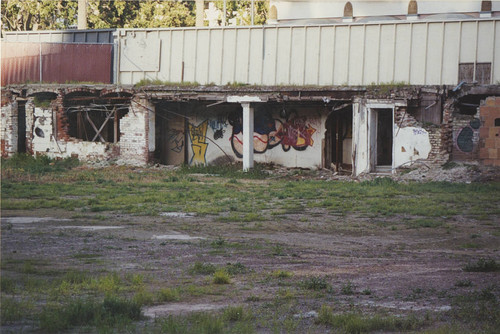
(355, 129)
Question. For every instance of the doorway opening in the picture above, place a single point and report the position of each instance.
(21, 126)
(338, 140)
(170, 134)
(381, 140)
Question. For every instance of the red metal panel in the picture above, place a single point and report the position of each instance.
(61, 63)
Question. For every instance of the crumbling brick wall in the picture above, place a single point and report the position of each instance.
(134, 133)
(489, 133)
(9, 128)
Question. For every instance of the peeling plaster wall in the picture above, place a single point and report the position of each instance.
(136, 139)
(43, 141)
(292, 142)
(411, 144)
(9, 128)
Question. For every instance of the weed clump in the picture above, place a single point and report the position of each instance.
(357, 323)
(202, 268)
(110, 312)
(221, 276)
(315, 283)
(482, 265)
(25, 163)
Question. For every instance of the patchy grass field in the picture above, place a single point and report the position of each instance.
(215, 250)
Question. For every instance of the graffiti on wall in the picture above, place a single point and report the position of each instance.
(465, 138)
(218, 126)
(269, 132)
(175, 140)
(198, 136)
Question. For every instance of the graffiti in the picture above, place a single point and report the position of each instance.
(197, 134)
(218, 126)
(270, 132)
(419, 132)
(465, 137)
(176, 140)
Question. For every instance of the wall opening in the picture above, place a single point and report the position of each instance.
(97, 123)
(338, 140)
(21, 127)
(170, 134)
(381, 140)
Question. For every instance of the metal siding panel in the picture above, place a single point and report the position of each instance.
(189, 55)
(326, 56)
(485, 47)
(418, 54)
(228, 57)
(387, 51)
(496, 57)
(371, 55)
(214, 70)
(312, 56)
(434, 51)
(297, 56)
(201, 57)
(269, 62)
(402, 53)
(283, 63)
(451, 53)
(341, 54)
(242, 60)
(468, 42)
(256, 57)
(356, 46)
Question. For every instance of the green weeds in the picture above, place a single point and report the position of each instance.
(482, 265)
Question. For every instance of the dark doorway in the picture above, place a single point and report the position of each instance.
(21, 127)
(338, 140)
(381, 125)
(170, 134)
(384, 138)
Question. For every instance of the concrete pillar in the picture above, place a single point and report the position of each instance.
(82, 14)
(247, 136)
(200, 13)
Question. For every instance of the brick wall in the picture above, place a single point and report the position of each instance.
(9, 128)
(489, 134)
(134, 133)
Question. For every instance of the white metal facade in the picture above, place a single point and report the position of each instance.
(416, 53)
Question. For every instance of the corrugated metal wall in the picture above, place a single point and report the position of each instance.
(97, 36)
(56, 62)
(417, 53)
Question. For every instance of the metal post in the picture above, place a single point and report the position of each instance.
(247, 136)
(252, 13)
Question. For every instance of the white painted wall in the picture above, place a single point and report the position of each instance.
(410, 144)
(307, 9)
(418, 53)
(47, 144)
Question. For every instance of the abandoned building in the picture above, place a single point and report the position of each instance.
(361, 97)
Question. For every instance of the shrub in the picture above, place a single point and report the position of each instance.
(482, 265)
(221, 277)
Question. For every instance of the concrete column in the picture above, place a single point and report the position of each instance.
(247, 136)
(200, 13)
(82, 14)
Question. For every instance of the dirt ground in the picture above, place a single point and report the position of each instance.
(391, 271)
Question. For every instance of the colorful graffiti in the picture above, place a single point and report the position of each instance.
(198, 136)
(270, 132)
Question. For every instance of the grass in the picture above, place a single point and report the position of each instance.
(315, 283)
(87, 312)
(482, 265)
(359, 323)
(221, 276)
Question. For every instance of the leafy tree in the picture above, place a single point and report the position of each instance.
(157, 13)
(38, 14)
(110, 14)
(241, 10)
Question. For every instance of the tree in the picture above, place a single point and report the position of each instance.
(110, 14)
(157, 13)
(241, 11)
(38, 14)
